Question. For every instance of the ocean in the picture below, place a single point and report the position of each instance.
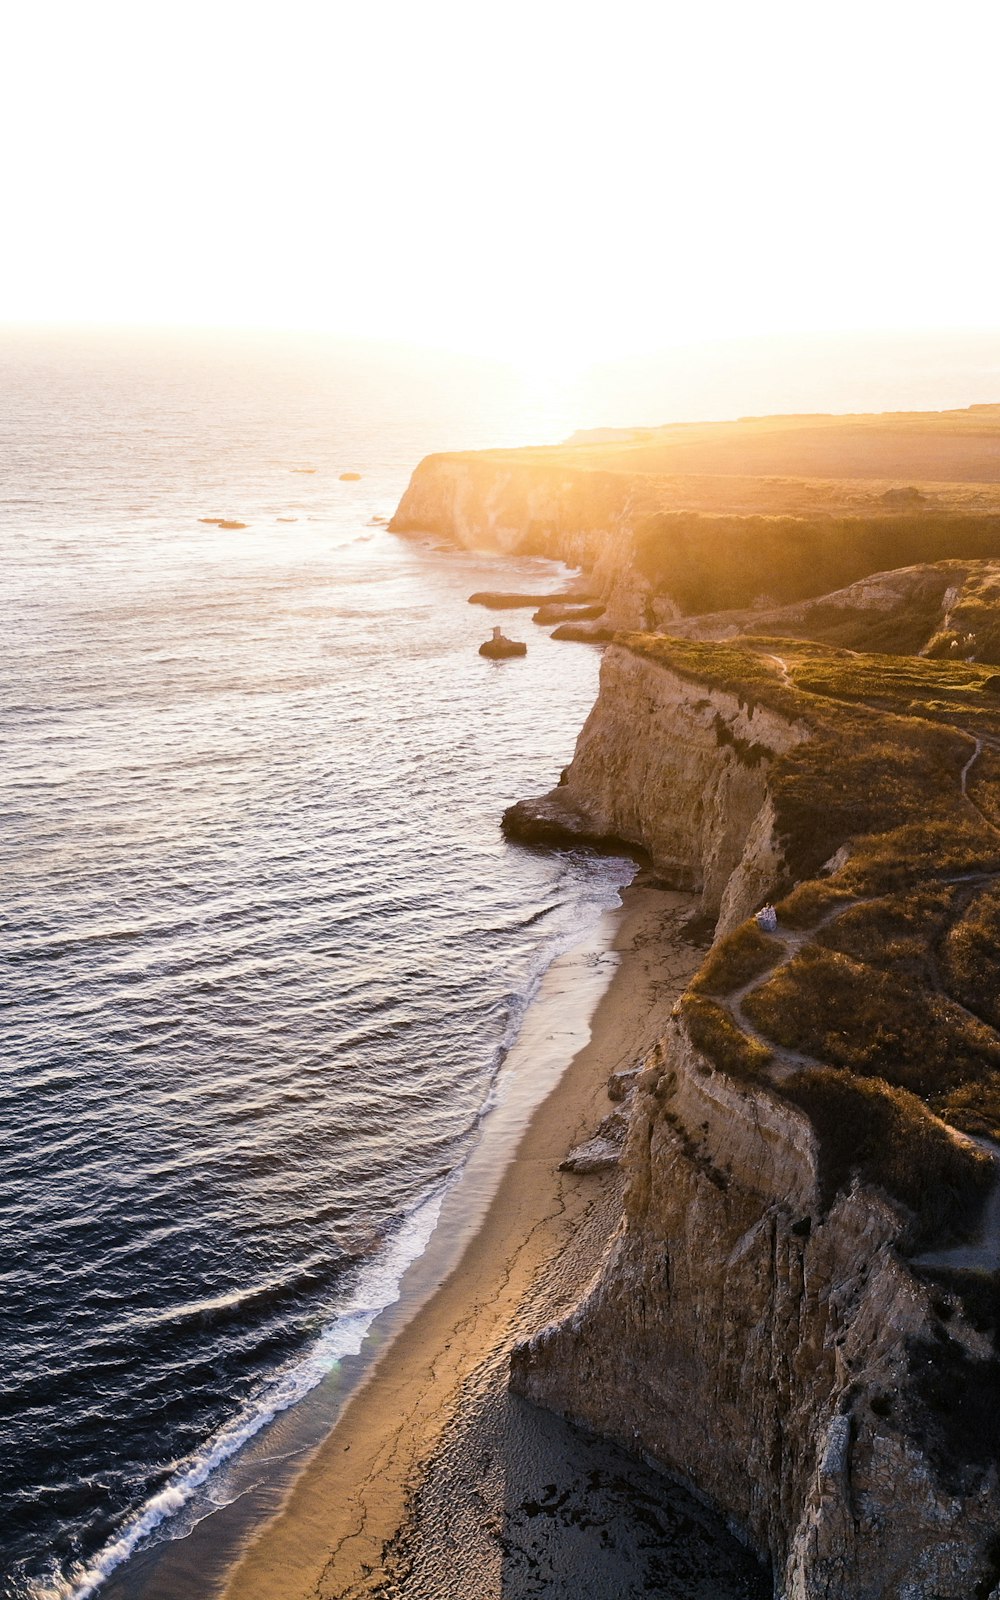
(264, 951)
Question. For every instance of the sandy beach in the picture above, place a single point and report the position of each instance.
(435, 1482)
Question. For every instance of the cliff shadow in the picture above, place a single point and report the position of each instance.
(583, 1520)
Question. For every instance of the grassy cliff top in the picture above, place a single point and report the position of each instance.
(889, 462)
(766, 510)
(874, 1006)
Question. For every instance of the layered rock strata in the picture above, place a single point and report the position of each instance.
(678, 772)
(770, 1346)
(764, 1349)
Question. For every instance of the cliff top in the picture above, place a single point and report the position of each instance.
(881, 464)
(874, 1006)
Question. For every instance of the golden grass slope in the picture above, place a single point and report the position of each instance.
(881, 1020)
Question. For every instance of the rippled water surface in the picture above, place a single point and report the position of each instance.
(262, 944)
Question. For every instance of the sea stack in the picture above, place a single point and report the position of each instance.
(499, 647)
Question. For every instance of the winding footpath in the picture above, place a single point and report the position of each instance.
(983, 1252)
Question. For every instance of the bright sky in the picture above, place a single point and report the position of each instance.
(526, 179)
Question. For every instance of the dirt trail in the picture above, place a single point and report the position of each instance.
(982, 1253)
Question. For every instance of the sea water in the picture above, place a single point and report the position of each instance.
(262, 946)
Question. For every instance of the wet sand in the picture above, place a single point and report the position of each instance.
(435, 1482)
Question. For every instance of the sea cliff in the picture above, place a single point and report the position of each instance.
(679, 773)
(761, 1346)
(518, 504)
(799, 1314)
(764, 1338)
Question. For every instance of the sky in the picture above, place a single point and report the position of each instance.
(544, 182)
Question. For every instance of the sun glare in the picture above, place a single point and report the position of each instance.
(546, 184)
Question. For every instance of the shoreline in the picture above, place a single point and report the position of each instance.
(246, 1494)
(529, 1256)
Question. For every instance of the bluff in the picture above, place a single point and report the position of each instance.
(679, 521)
(800, 1313)
(650, 735)
(772, 1323)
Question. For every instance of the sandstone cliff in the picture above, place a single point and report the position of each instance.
(659, 547)
(679, 773)
(762, 1331)
(517, 505)
(768, 1350)
(798, 1316)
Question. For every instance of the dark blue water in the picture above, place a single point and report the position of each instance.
(262, 947)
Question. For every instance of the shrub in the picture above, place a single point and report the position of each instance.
(889, 1138)
(710, 562)
(736, 960)
(715, 1034)
(969, 955)
(877, 1022)
(810, 902)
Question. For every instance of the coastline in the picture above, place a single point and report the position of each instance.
(243, 1497)
(537, 1245)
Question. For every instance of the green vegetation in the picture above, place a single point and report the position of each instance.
(880, 1021)
(973, 623)
(889, 739)
(894, 995)
(887, 1136)
(746, 954)
(709, 562)
(810, 902)
(984, 784)
(969, 955)
(715, 1034)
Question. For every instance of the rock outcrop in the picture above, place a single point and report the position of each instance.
(765, 1339)
(517, 506)
(684, 521)
(679, 773)
(500, 648)
(768, 1350)
(764, 1324)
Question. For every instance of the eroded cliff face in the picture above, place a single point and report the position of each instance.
(760, 1347)
(585, 518)
(765, 1343)
(681, 772)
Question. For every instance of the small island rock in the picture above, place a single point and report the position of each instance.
(499, 647)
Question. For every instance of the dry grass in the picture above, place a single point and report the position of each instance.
(746, 954)
(878, 1021)
(882, 997)
(708, 562)
(887, 1136)
(713, 1032)
(810, 902)
(969, 955)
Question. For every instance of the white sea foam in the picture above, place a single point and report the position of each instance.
(377, 1288)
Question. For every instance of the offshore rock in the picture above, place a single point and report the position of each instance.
(583, 632)
(567, 611)
(513, 599)
(500, 647)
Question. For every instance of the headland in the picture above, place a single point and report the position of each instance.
(785, 1294)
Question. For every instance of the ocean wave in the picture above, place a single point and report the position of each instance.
(377, 1288)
